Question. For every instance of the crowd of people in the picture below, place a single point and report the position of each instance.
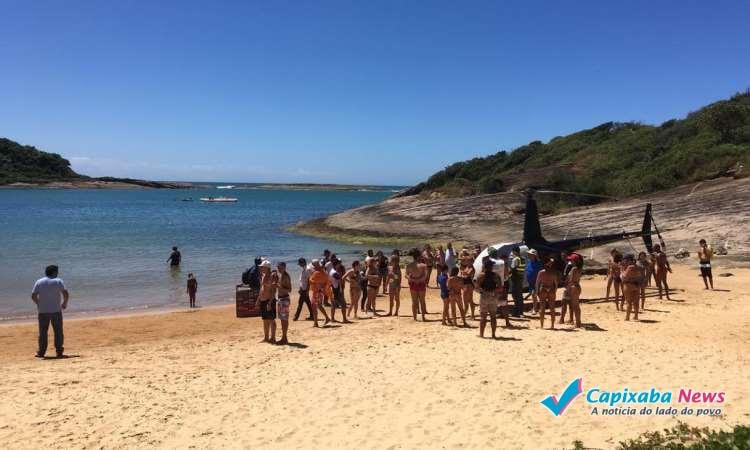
(323, 284)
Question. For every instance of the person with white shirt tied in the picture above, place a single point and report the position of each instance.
(304, 287)
(47, 294)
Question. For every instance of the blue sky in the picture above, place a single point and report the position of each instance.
(352, 92)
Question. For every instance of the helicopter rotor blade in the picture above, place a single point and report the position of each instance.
(583, 194)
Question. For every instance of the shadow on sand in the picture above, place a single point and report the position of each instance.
(592, 327)
(55, 358)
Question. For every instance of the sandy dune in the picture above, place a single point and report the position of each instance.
(202, 379)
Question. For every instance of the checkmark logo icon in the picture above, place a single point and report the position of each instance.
(557, 407)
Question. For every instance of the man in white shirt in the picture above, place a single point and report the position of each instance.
(47, 294)
(304, 285)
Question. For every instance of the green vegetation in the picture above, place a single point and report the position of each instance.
(616, 159)
(26, 164)
(684, 437)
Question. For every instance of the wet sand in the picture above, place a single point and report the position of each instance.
(204, 379)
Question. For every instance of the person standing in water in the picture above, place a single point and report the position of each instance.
(46, 294)
(662, 268)
(174, 258)
(192, 288)
(705, 253)
(284, 302)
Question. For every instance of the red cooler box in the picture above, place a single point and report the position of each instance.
(246, 299)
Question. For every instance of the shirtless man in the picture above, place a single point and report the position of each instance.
(320, 287)
(546, 287)
(573, 286)
(354, 278)
(373, 283)
(284, 302)
(632, 277)
(613, 275)
(394, 285)
(268, 285)
(416, 275)
(660, 274)
(705, 253)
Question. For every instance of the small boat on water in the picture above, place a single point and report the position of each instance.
(229, 186)
(218, 199)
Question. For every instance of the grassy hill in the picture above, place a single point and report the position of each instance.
(26, 164)
(617, 159)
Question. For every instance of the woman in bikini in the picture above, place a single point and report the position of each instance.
(573, 285)
(416, 275)
(455, 285)
(643, 265)
(632, 277)
(394, 285)
(354, 277)
(660, 274)
(320, 288)
(546, 287)
(440, 254)
(613, 275)
(429, 260)
(467, 273)
(373, 283)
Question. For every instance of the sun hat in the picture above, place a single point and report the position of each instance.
(265, 263)
(532, 252)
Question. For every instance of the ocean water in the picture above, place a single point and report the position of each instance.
(112, 245)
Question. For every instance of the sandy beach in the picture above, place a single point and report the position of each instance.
(203, 379)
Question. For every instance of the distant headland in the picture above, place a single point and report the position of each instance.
(25, 166)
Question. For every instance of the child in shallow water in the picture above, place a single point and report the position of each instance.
(192, 288)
